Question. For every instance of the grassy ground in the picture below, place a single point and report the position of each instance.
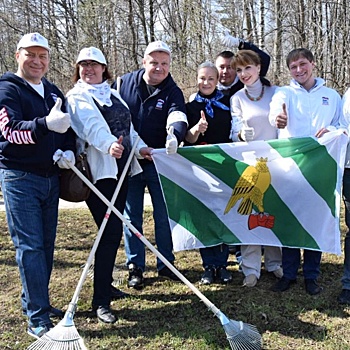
(168, 315)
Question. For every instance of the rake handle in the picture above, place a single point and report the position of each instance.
(72, 305)
(144, 240)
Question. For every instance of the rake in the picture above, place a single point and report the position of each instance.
(64, 336)
(240, 335)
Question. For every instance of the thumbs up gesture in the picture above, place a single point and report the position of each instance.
(58, 121)
(202, 125)
(281, 119)
(171, 141)
(116, 149)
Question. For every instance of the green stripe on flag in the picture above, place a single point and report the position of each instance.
(286, 227)
(314, 162)
(194, 216)
(212, 158)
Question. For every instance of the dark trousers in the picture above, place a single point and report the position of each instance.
(291, 261)
(107, 249)
(216, 256)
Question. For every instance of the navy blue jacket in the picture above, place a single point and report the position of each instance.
(149, 117)
(25, 142)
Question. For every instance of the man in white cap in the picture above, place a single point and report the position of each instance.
(33, 126)
(157, 108)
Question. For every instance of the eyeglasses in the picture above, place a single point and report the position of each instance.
(92, 64)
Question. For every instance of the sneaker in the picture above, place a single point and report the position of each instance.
(312, 287)
(282, 285)
(208, 276)
(278, 272)
(117, 294)
(104, 314)
(135, 279)
(223, 275)
(38, 332)
(344, 297)
(250, 281)
(166, 273)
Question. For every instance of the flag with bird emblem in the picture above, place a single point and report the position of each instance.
(284, 192)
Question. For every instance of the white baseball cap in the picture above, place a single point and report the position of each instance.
(33, 39)
(91, 54)
(157, 46)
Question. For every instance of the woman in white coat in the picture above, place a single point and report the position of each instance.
(250, 111)
(101, 119)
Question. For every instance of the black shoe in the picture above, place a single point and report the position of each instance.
(104, 314)
(344, 297)
(312, 287)
(135, 279)
(232, 249)
(166, 273)
(56, 313)
(117, 294)
(223, 275)
(208, 276)
(53, 313)
(282, 285)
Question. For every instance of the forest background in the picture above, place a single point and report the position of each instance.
(192, 28)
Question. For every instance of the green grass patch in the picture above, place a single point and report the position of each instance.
(167, 315)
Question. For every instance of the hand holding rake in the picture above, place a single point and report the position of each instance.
(241, 336)
(64, 336)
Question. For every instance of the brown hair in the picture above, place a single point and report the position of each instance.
(295, 54)
(245, 58)
(76, 76)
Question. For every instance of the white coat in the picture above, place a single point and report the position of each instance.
(90, 126)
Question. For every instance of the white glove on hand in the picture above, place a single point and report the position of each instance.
(171, 141)
(247, 133)
(61, 158)
(57, 120)
(230, 40)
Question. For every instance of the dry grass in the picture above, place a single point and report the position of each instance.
(168, 315)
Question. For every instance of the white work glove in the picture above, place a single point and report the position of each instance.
(230, 40)
(61, 158)
(171, 141)
(247, 133)
(57, 120)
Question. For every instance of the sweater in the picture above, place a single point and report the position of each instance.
(25, 142)
(219, 126)
(254, 114)
(307, 111)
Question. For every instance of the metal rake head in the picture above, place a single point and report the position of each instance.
(242, 336)
(64, 336)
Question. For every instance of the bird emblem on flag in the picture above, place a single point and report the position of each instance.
(250, 189)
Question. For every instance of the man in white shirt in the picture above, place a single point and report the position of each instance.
(304, 108)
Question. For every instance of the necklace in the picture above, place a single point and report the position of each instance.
(255, 98)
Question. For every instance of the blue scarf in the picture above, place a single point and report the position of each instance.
(212, 101)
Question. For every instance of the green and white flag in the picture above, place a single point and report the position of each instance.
(283, 192)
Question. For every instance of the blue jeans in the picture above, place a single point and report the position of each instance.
(291, 261)
(216, 256)
(346, 197)
(31, 203)
(134, 248)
